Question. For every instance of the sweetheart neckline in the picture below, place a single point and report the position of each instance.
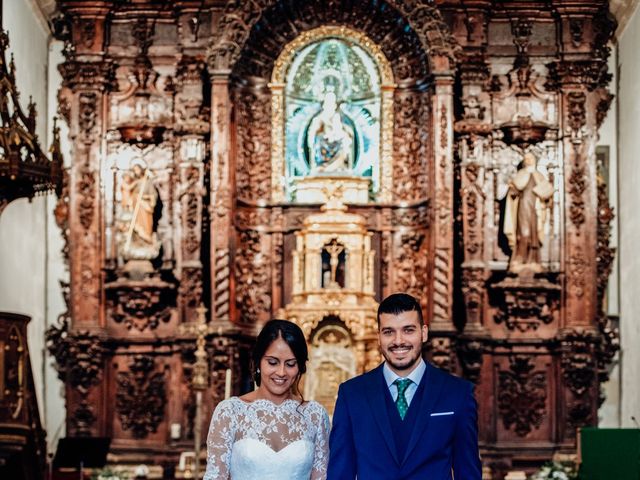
(276, 452)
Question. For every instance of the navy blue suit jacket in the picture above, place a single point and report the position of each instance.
(444, 438)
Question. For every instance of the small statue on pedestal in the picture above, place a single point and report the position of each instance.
(527, 204)
(138, 242)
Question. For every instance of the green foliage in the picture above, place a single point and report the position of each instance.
(108, 474)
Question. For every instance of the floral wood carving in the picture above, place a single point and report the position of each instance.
(416, 217)
(82, 419)
(578, 361)
(253, 287)
(578, 267)
(191, 202)
(522, 393)
(411, 265)
(603, 106)
(576, 112)
(61, 214)
(577, 187)
(473, 288)
(580, 414)
(87, 113)
(87, 31)
(526, 304)
(190, 289)
(442, 353)
(79, 356)
(86, 191)
(191, 114)
(579, 371)
(605, 254)
(470, 353)
(473, 198)
(254, 145)
(141, 397)
(140, 305)
(576, 28)
(410, 141)
(277, 240)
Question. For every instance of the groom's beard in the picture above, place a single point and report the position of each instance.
(413, 356)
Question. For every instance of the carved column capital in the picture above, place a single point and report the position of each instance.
(88, 74)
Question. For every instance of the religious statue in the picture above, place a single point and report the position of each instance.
(527, 203)
(138, 203)
(332, 275)
(330, 139)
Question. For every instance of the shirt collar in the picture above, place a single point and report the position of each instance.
(415, 376)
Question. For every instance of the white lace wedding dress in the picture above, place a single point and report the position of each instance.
(264, 441)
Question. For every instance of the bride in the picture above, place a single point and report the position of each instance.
(271, 433)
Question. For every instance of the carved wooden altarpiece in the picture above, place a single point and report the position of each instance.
(176, 197)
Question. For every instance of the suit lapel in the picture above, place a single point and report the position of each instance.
(377, 389)
(432, 390)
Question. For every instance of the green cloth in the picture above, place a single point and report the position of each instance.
(401, 401)
(610, 454)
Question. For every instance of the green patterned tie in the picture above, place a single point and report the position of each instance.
(401, 401)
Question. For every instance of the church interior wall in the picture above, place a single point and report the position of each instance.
(629, 221)
(30, 258)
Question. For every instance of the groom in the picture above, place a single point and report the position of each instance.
(406, 419)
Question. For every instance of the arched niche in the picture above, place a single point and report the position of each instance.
(332, 360)
(332, 75)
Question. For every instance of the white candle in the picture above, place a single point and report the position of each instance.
(175, 431)
(227, 384)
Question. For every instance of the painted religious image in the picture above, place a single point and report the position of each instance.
(527, 204)
(332, 104)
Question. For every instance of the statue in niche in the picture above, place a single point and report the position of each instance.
(139, 200)
(333, 263)
(527, 204)
(330, 140)
(331, 362)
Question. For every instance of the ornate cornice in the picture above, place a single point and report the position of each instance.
(591, 73)
(94, 75)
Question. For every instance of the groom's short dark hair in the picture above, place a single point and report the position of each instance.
(399, 303)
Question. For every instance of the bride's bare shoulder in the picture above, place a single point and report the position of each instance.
(249, 397)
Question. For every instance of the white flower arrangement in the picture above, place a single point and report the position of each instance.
(108, 474)
(556, 471)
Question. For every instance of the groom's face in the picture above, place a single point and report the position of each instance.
(401, 337)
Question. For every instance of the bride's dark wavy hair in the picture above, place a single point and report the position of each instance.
(292, 336)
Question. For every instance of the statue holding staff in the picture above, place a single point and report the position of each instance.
(525, 215)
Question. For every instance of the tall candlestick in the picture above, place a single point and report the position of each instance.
(227, 384)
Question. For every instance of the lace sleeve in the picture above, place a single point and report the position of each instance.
(321, 450)
(220, 442)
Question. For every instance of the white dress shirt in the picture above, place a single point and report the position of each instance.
(415, 376)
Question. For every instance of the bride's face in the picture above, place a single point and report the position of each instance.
(278, 369)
